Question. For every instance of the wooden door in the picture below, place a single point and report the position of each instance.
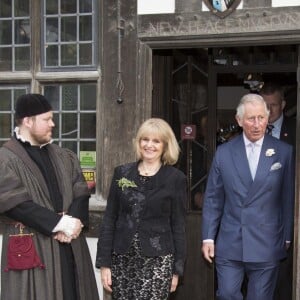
(180, 84)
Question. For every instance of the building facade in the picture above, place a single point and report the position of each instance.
(107, 65)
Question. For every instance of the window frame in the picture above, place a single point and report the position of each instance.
(95, 41)
(60, 112)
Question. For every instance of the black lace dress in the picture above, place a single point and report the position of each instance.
(136, 277)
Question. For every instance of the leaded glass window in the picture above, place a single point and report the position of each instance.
(74, 107)
(8, 96)
(69, 34)
(15, 35)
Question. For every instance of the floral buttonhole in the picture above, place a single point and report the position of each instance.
(125, 183)
(270, 152)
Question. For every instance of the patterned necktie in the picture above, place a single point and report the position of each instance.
(269, 129)
(253, 159)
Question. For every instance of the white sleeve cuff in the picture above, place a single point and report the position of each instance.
(208, 241)
(66, 224)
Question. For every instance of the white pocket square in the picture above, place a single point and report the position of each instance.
(276, 166)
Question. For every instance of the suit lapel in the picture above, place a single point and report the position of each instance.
(283, 130)
(131, 172)
(264, 165)
(240, 161)
(265, 162)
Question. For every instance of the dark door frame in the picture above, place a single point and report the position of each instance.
(214, 71)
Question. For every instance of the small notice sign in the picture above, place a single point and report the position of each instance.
(188, 132)
(88, 159)
(88, 165)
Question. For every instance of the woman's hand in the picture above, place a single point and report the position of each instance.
(106, 278)
(174, 283)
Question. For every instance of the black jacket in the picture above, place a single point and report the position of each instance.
(288, 131)
(156, 210)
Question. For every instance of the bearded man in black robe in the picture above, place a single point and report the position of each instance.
(43, 191)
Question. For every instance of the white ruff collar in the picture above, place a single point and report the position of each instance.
(22, 139)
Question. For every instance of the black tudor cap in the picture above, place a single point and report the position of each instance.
(29, 105)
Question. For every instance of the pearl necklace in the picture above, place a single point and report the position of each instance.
(149, 172)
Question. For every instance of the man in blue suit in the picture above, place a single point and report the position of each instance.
(248, 206)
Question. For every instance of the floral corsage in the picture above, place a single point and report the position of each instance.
(125, 183)
(270, 152)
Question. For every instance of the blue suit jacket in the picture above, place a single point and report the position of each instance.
(250, 220)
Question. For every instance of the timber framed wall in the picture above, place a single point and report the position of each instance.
(188, 27)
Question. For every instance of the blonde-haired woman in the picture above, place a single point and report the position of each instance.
(142, 246)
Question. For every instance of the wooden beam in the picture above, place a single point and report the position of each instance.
(118, 119)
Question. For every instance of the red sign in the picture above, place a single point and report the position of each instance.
(188, 132)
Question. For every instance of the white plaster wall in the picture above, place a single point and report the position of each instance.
(92, 243)
(146, 7)
(280, 3)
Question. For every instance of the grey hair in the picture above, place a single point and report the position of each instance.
(250, 98)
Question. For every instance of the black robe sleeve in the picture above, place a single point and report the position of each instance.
(80, 209)
(33, 215)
